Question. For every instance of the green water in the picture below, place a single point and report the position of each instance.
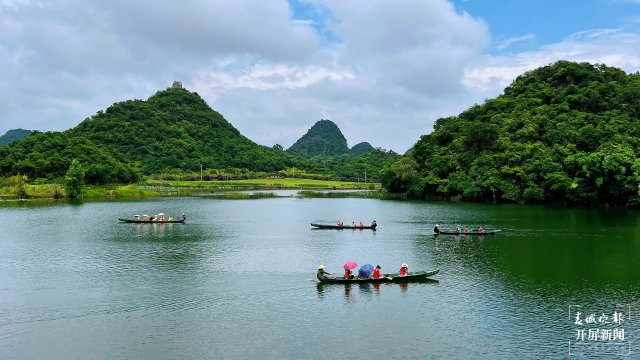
(237, 281)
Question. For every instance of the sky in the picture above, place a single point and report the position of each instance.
(382, 70)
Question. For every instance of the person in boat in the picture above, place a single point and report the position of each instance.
(361, 223)
(376, 272)
(321, 274)
(353, 224)
(456, 229)
(348, 274)
(466, 229)
(170, 218)
(404, 270)
(436, 229)
(136, 217)
(162, 218)
(374, 224)
(480, 230)
(183, 217)
(339, 223)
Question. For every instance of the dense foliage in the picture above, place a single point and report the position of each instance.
(324, 138)
(174, 132)
(361, 148)
(74, 179)
(14, 135)
(568, 133)
(49, 155)
(175, 129)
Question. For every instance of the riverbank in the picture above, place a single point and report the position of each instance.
(152, 188)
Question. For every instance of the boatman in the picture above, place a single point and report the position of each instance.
(436, 229)
(323, 274)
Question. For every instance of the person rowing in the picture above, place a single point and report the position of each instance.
(321, 274)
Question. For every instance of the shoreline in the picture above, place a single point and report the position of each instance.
(163, 188)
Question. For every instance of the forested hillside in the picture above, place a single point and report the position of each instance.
(48, 155)
(175, 129)
(568, 133)
(323, 138)
(14, 135)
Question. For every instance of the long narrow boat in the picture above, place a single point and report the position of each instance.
(412, 276)
(326, 226)
(151, 222)
(451, 232)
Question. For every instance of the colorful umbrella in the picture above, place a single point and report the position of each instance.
(350, 265)
(366, 270)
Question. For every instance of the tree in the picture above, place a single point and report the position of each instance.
(400, 175)
(19, 185)
(74, 179)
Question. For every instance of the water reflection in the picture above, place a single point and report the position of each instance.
(351, 292)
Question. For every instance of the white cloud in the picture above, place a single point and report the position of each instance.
(508, 42)
(491, 74)
(395, 67)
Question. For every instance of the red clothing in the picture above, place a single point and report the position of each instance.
(347, 274)
(376, 273)
(403, 271)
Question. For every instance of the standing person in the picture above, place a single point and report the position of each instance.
(404, 270)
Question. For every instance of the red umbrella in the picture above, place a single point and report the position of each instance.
(350, 265)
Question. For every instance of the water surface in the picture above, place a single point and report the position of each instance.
(237, 280)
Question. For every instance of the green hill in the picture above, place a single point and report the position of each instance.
(361, 148)
(566, 133)
(14, 135)
(49, 154)
(175, 129)
(324, 138)
(172, 130)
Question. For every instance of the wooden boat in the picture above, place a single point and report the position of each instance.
(395, 277)
(152, 222)
(326, 226)
(451, 232)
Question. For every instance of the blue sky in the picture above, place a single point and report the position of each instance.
(382, 70)
(550, 21)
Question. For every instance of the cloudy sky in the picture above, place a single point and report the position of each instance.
(383, 70)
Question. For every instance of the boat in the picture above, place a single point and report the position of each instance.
(152, 222)
(326, 226)
(395, 277)
(451, 232)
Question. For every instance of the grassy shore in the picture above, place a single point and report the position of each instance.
(151, 188)
(265, 184)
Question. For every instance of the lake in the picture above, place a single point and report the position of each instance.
(238, 281)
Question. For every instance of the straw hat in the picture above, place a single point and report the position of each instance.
(320, 267)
